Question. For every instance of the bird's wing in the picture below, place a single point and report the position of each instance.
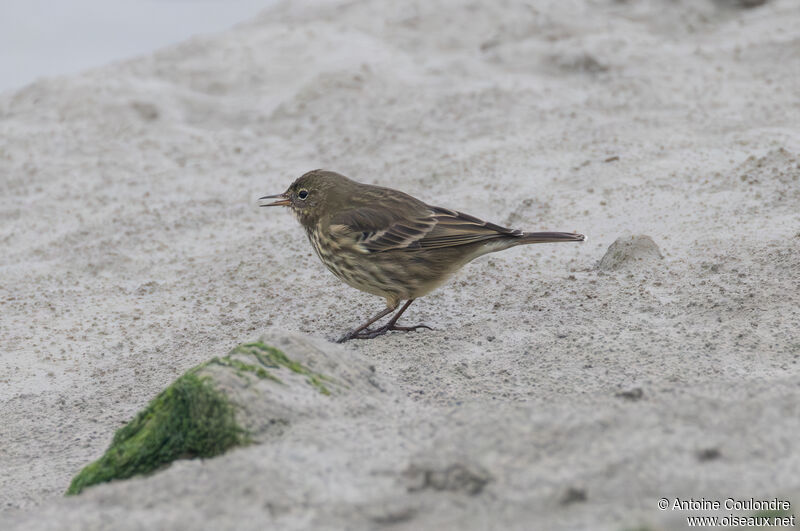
(374, 230)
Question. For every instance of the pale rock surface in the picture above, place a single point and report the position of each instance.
(639, 250)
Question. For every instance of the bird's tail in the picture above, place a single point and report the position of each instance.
(551, 237)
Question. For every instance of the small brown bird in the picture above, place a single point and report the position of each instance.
(390, 244)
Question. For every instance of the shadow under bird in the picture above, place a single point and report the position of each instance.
(390, 244)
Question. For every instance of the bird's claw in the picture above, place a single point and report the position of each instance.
(369, 334)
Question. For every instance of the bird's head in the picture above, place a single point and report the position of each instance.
(311, 195)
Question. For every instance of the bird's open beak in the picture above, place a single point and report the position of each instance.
(282, 200)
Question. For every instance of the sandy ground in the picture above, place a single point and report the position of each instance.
(575, 396)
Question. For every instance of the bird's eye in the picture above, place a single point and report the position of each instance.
(302, 194)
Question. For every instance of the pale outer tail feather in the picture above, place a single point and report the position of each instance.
(551, 237)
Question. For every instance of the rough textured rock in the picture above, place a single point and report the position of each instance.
(308, 378)
(247, 396)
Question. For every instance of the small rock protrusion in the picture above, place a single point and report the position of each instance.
(630, 250)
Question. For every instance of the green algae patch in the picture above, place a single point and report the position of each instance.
(271, 357)
(190, 418)
(241, 367)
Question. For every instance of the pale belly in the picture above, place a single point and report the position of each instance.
(383, 274)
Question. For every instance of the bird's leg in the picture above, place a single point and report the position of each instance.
(362, 333)
(392, 326)
(354, 333)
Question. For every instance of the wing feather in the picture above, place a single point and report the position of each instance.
(373, 230)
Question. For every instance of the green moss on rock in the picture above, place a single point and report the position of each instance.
(242, 367)
(188, 419)
(273, 358)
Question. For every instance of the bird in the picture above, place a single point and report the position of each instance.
(390, 244)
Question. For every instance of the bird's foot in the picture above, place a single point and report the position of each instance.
(369, 334)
